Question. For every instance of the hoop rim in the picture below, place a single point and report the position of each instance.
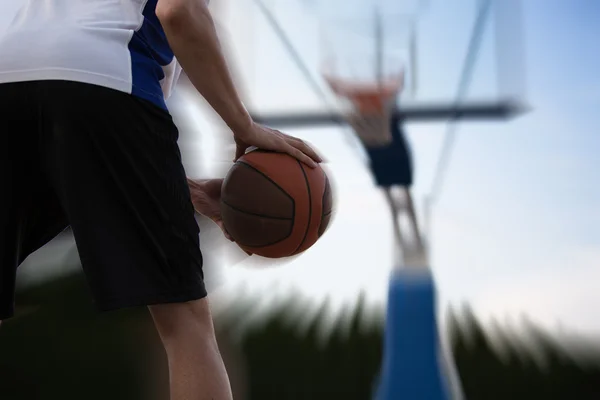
(367, 98)
(348, 87)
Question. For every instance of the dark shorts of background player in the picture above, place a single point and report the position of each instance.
(107, 164)
(392, 165)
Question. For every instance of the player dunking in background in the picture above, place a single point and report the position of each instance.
(391, 164)
(372, 117)
(88, 142)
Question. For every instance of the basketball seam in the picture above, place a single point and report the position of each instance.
(261, 245)
(309, 206)
(293, 218)
(254, 214)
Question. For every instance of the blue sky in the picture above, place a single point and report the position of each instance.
(516, 228)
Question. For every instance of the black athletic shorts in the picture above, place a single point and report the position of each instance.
(392, 164)
(107, 164)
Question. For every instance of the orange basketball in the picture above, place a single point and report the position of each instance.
(275, 206)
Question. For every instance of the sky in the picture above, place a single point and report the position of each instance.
(515, 229)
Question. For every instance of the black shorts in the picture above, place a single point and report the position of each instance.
(392, 165)
(107, 164)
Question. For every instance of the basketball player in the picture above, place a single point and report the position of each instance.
(390, 161)
(87, 141)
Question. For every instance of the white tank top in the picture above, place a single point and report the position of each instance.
(118, 44)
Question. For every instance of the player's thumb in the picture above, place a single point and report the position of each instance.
(219, 222)
(239, 151)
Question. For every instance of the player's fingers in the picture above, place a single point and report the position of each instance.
(300, 156)
(227, 235)
(219, 222)
(304, 148)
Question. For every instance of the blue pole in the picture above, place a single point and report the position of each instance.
(413, 364)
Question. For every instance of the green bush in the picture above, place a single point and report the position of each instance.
(60, 348)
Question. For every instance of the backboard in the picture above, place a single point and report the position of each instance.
(461, 55)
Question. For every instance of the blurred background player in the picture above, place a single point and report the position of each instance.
(89, 143)
(390, 162)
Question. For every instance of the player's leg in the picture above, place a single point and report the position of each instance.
(399, 247)
(117, 170)
(417, 246)
(410, 209)
(409, 240)
(195, 365)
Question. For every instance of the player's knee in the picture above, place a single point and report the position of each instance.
(183, 322)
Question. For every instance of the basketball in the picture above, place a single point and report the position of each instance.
(275, 206)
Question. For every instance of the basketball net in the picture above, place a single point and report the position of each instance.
(371, 106)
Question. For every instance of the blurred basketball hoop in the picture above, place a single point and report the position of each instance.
(366, 73)
(369, 105)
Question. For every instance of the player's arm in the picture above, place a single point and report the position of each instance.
(192, 35)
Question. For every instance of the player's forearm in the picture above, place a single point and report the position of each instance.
(191, 33)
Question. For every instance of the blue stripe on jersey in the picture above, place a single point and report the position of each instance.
(150, 51)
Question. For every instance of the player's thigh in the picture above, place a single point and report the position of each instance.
(116, 166)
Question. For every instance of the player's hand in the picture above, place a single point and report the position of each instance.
(206, 198)
(266, 138)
